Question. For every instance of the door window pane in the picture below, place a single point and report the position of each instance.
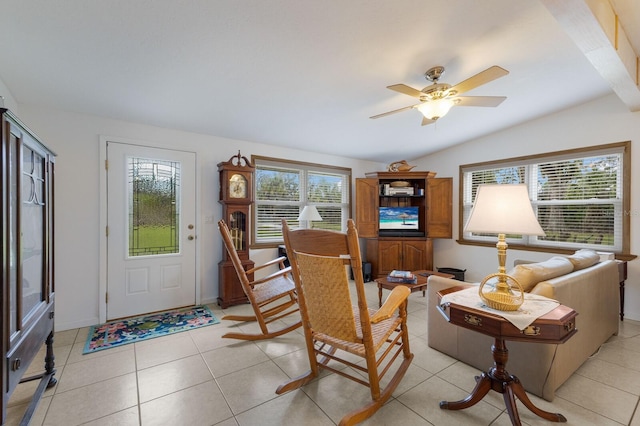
(154, 206)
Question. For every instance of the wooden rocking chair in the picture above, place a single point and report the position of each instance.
(272, 297)
(333, 326)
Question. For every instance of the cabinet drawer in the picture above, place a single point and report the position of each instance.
(554, 327)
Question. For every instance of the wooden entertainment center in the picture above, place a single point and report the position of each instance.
(418, 194)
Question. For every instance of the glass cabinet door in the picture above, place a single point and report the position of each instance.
(32, 216)
(13, 230)
(237, 228)
(26, 229)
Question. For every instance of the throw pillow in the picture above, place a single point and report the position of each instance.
(530, 274)
(584, 258)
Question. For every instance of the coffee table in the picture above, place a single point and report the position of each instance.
(421, 285)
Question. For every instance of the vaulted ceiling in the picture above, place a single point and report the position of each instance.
(305, 73)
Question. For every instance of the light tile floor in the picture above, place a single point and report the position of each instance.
(198, 378)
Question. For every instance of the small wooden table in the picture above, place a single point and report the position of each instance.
(421, 285)
(555, 327)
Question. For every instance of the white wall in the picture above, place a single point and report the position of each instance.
(603, 121)
(7, 100)
(76, 140)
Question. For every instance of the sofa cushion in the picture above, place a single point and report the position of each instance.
(530, 274)
(584, 258)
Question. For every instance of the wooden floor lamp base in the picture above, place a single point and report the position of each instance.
(498, 379)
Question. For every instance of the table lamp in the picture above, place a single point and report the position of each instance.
(502, 209)
(309, 213)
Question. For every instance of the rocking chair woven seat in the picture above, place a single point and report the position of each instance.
(335, 327)
(272, 297)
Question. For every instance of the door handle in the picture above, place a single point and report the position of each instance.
(190, 237)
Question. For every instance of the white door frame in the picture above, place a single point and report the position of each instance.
(102, 286)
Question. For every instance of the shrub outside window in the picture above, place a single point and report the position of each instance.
(283, 188)
(581, 197)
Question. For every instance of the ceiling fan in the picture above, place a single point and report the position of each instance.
(438, 98)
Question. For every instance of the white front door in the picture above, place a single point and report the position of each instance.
(151, 213)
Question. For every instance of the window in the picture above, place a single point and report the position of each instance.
(581, 197)
(283, 188)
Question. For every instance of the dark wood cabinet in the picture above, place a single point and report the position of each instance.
(420, 194)
(26, 183)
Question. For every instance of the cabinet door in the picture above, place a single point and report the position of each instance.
(389, 256)
(29, 222)
(367, 192)
(439, 210)
(416, 255)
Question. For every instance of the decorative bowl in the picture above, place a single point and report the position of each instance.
(400, 184)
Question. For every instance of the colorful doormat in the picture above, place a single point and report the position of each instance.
(130, 330)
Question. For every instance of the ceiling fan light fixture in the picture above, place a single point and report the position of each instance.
(437, 99)
(436, 108)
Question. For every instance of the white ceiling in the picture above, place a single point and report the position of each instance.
(296, 73)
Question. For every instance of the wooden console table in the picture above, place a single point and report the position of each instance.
(554, 327)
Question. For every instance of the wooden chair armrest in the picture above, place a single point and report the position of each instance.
(281, 272)
(398, 295)
(269, 263)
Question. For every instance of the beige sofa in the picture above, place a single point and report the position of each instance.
(592, 291)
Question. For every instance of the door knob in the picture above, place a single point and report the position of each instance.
(190, 226)
(190, 237)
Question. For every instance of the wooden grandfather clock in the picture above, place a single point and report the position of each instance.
(236, 197)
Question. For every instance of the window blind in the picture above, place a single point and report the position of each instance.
(577, 196)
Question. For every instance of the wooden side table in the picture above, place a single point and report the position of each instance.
(554, 327)
(421, 285)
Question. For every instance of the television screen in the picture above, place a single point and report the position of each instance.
(399, 218)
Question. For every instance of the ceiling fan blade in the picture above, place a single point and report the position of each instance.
(384, 114)
(479, 101)
(406, 90)
(479, 79)
(426, 121)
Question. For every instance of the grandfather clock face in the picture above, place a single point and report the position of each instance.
(237, 186)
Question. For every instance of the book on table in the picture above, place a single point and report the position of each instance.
(406, 277)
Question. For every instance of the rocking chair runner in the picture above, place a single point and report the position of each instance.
(272, 297)
(332, 325)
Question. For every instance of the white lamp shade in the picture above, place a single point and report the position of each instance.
(503, 209)
(436, 109)
(309, 213)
